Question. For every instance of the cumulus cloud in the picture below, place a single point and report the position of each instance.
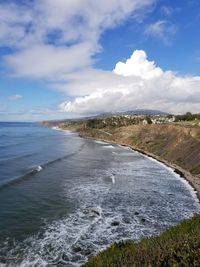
(162, 29)
(136, 83)
(49, 38)
(138, 65)
(56, 40)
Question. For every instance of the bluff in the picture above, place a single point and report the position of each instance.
(176, 145)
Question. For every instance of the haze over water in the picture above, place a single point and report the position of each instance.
(64, 198)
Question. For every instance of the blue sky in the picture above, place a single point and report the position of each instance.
(181, 54)
(65, 59)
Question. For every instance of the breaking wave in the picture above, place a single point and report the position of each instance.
(36, 169)
(107, 197)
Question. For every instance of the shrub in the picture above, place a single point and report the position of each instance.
(178, 246)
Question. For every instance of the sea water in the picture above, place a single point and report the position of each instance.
(64, 198)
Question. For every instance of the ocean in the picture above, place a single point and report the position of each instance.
(64, 198)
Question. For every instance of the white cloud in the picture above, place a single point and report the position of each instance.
(15, 97)
(56, 40)
(138, 83)
(13, 21)
(161, 29)
(167, 10)
(138, 65)
(51, 37)
(48, 61)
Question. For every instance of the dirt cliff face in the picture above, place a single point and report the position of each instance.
(175, 143)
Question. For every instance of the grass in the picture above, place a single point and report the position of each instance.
(191, 122)
(178, 246)
(195, 121)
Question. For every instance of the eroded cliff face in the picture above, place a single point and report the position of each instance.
(175, 143)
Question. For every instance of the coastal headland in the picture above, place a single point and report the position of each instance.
(178, 147)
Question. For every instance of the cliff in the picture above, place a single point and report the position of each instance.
(177, 146)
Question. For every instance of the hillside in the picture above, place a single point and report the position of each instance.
(176, 145)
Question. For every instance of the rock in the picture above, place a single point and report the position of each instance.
(65, 257)
(77, 249)
(87, 252)
(127, 220)
(97, 211)
(115, 223)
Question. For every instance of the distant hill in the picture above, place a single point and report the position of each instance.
(133, 112)
(136, 112)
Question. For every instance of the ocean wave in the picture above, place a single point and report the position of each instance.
(100, 142)
(70, 241)
(103, 217)
(29, 173)
(183, 180)
(33, 170)
(104, 214)
(109, 147)
(31, 138)
(17, 157)
(56, 128)
(11, 145)
(37, 169)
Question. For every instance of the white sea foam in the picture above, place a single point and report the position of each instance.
(107, 214)
(112, 178)
(38, 168)
(100, 142)
(124, 147)
(56, 128)
(63, 130)
(183, 180)
(109, 147)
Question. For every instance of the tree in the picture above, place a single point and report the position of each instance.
(148, 119)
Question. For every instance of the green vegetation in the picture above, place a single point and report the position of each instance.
(188, 117)
(115, 121)
(196, 121)
(148, 119)
(178, 246)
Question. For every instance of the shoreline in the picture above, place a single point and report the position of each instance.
(186, 175)
(176, 169)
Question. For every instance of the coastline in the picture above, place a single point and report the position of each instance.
(191, 179)
(174, 245)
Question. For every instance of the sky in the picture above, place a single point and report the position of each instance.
(71, 58)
